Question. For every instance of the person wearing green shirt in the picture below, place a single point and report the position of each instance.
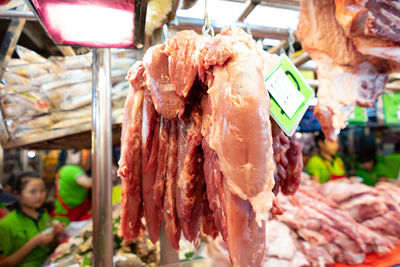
(5, 199)
(27, 232)
(392, 163)
(326, 165)
(72, 199)
(370, 168)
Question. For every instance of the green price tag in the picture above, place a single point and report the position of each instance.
(359, 117)
(391, 108)
(290, 95)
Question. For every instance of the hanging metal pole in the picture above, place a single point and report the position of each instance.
(1, 163)
(101, 159)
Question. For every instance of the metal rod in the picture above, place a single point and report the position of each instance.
(168, 255)
(101, 159)
(140, 23)
(182, 23)
(250, 5)
(66, 50)
(24, 159)
(287, 4)
(275, 49)
(300, 60)
(12, 14)
(388, 86)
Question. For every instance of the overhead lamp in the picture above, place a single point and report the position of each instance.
(93, 23)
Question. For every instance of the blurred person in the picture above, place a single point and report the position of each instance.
(326, 164)
(370, 168)
(392, 163)
(27, 232)
(73, 185)
(5, 200)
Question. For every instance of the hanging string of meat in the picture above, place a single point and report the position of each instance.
(355, 45)
(197, 149)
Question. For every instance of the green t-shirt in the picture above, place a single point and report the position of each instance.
(16, 229)
(392, 163)
(322, 168)
(70, 192)
(372, 178)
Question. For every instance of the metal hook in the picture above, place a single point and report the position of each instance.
(207, 29)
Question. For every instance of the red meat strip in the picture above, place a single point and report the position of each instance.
(183, 51)
(288, 161)
(130, 169)
(295, 166)
(162, 161)
(172, 226)
(213, 178)
(165, 100)
(190, 176)
(207, 220)
(280, 144)
(150, 135)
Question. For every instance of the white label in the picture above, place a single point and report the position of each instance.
(284, 92)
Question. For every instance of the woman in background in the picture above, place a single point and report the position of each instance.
(27, 232)
(326, 165)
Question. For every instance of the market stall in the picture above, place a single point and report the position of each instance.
(219, 168)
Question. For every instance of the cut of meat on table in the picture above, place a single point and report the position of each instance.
(372, 25)
(346, 77)
(150, 135)
(172, 226)
(342, 191)
(365, 207)
(130, 168)
(165, 100)
(390, 190)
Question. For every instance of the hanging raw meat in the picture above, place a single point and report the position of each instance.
(240, 129)
(130, 164)
(172, 226)
(150, 136)
(374, 26)
(346, 77)
(166, 101)
(197, 141)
